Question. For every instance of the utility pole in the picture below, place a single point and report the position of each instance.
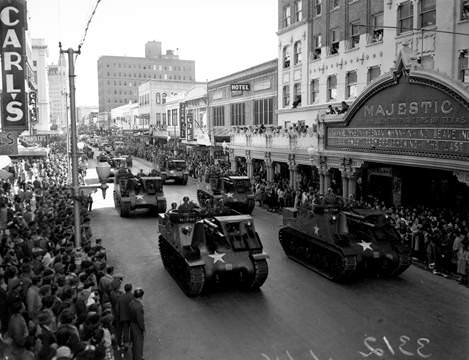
(74, 140)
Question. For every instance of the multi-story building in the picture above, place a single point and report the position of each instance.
(402, 67)
(120, 76)
(126, 117)
(87, 115)
(58, 93)
(245, 99)
(152, 97)
(39, 55)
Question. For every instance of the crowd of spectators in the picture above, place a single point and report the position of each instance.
(56, 302)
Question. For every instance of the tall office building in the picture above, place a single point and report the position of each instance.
(58, 93)
(120, 76)
(39, 68)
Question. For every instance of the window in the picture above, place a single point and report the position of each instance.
(317, 45)
(405, 17)
(158, 98)
(163, 98)
(314, 91)
(331, 88)
(175, 117)
(354, 34)
(286, 56)
(334, 42)
(286, 96)
(296, 95)
(376, 34)
(297, 52)
(464, 66)
(427, 13)
(219, 116)
(351, 89)
(238, 116)
(464, 9)
(373, 73)
(169, 116)
(286, 16)
(263, 111)
(164, 119)
(318, 7)
(298, 10)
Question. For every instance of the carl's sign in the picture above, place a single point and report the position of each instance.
(12, 39)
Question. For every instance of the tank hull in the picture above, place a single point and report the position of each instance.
(243, 207)
(337, 263)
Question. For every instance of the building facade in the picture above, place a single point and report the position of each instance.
(39, 55)
(335, 54)
(126, 117)
(120, 76)
(87, 115)
(247, 98)
(58, 94)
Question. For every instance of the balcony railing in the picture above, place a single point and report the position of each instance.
(283, 140)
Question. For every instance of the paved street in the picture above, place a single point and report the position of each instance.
(297, 314)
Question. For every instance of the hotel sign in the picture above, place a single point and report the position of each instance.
(12, 38)
(406, 119)
(239, 89)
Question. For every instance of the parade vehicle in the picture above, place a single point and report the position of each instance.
(234, 191)
(343, 243)
(132, 193)
(173, 169)
(201, 249)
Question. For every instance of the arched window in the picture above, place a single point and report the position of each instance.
(286, 56)
(163, 98)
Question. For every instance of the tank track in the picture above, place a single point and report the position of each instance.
(261, 271)
(327, 262)
(190, 279)
(404, 262)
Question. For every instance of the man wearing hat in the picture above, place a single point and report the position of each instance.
(137, 324)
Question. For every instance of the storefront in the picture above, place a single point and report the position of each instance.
(405, 140)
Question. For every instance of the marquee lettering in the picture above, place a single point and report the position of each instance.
(409, 108)
(14, 98)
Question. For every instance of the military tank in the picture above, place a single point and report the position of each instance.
(234, 191)
(199, 249)
(131, 193)
(343, 243)
(173, 169)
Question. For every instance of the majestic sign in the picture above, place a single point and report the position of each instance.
(8, 143)
(190, 125)
(182, 120)
(12, 38)
(407, 118)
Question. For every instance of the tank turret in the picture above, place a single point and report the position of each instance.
(234, 191)
(199, 249)
(341, 243)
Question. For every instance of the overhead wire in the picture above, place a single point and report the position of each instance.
(88, 23)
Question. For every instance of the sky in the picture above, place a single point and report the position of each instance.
(222, 36)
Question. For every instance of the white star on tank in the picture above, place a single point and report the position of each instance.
(217, 257)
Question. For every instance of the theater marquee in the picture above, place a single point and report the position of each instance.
(406, 116)
(12, 37)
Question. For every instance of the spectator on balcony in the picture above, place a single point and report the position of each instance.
(330, 110)
(344, 108)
